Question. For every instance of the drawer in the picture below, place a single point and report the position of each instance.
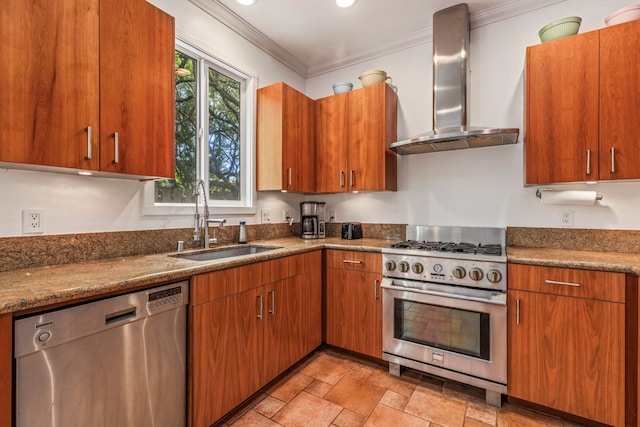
(354, 260)
(570, 282)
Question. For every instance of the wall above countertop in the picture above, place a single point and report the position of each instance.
(479, 187)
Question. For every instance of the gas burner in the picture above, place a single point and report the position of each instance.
(453, 247)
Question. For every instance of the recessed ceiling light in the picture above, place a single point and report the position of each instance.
(345, 3)
(246, 2)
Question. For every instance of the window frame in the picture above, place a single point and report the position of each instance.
(248, 83)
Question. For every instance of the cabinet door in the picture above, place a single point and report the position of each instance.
(285, 140)
(354, 311)
(137, 98)
(619, 102)
(227, 351)
(313, 299)
(49, 84)
(568, 354)
(285, 326)
(371, 127)
(331, 144)
(561, 120)
(298, 142)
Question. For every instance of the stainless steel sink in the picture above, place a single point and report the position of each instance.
(222, 253)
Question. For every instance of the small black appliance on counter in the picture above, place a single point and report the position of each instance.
(351, 230)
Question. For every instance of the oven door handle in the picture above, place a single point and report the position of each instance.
(388, 284)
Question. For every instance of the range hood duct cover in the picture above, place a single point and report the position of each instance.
(450, 72)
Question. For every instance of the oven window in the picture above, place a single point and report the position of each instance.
(461, 331)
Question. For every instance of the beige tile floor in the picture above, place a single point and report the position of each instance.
(333, 389)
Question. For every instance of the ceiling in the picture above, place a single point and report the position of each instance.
(315, 36)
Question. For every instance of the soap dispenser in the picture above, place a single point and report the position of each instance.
(242, 238)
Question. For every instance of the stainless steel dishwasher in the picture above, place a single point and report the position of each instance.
(117, 362)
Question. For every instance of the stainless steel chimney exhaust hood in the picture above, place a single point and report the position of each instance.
(450, 71)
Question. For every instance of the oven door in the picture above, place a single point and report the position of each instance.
(449, 327)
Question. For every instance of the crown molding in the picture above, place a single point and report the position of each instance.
(234, 22)
(238, 25)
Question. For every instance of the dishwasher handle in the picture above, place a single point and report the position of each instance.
(121, 315)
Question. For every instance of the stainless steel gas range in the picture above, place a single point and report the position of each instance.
(444, 305)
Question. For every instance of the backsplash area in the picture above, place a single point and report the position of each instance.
(577, 239)
(39, 251)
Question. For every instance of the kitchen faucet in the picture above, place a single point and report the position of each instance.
(203, 220)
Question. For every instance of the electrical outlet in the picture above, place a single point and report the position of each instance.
(566, 218)
(285, 215)
(32, 221)
(332, 215)
(265, 216)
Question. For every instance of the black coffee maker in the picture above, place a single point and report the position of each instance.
(312, 220)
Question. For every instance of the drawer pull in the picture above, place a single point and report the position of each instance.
(351, 261)
(555, 282)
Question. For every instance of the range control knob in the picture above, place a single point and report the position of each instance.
(476, 274)
(437, 268)
(417, 268)
(494, 276)
(390, 265)
(404, 266)
(459, 272)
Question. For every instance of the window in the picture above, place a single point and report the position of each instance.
(213, 137)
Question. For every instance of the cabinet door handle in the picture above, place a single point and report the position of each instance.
(588, 162)
(341, 178)
(272, 310)
(613, 160)
(351, 261)
(517, 311)
(89, 138)
(555, 282)
(289, 175)
(375, 289)
(352, 178)
(261, 305)
(115, 147)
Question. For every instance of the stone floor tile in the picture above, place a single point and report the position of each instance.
(254, 419)
(482, 412)
(447, 411)
(269, 406)
(292, 387)
(307, 410)
(515, 416)
(395, 400)
(470, 422)
(386, 416)
(318, 388)
(328, 368)
(349, 418)
(355, 394)
(399, 385)
(361, 371)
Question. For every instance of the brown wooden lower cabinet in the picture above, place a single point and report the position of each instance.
(354, 301)
(568, 341)
(267, 319)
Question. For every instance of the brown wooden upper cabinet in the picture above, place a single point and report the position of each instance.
(88, 84)
(285, 140)
(581, 107)
(353, 133)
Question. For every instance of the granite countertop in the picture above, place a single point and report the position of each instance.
(32, 288)
(587, 260)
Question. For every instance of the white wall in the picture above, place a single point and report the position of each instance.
(481, 187)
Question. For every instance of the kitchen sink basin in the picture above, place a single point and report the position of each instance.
(221, 253)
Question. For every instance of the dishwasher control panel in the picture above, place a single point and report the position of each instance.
(166, 297)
